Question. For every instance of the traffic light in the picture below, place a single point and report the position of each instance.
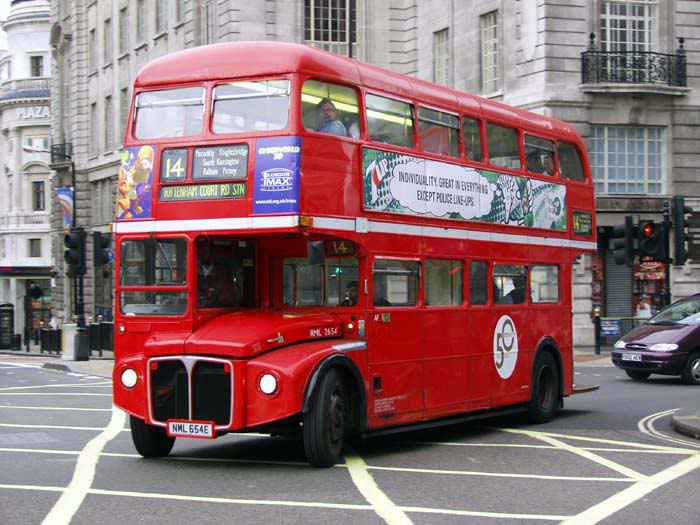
(101, 253)
(652, 240)
(623, 242)
(74, 255)
(680, 235)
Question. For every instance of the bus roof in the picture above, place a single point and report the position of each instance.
(264, 58)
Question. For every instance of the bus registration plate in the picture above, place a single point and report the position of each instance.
(631, 357)
(192, 429)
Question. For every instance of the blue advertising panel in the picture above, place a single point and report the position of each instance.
(276, 182)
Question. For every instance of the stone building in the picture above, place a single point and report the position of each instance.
(25, 236)
(624, 72)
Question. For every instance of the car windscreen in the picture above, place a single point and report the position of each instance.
(682, 312)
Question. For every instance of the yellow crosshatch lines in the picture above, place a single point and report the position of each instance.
(627, 485)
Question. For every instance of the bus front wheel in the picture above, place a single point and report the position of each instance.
(325, 421)
(545, 389)
(150, 441)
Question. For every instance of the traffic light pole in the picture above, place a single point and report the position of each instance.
(667, 258)
(82, 344)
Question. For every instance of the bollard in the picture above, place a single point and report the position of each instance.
(596, 328)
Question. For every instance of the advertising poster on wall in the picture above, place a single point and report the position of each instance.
(404, 184)
(276, 182)
(135, 183)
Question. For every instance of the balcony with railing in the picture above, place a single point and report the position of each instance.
(634, 71)
(24, 221)
(25, 87)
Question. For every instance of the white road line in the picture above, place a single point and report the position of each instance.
(380, 502)
(499, 474)
(283, 503)
(58, 408)
(626, 497)
(55, 427)
(628, 472)
(651, 450)
(205, 499)
(622, 443)
(646, 426)
(104, 384)
(71, 499)
(53, 394)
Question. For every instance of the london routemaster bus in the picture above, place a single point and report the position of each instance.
(309, 244)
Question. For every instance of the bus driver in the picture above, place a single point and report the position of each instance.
(327, 118)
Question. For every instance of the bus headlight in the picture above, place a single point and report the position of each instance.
(268, 384)
(129, 378)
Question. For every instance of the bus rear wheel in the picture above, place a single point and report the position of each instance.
(325, 422)
(150, 441)
(545, 389)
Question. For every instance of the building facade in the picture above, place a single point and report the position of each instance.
(624, 72)
(26, 263)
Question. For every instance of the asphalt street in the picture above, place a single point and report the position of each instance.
(611, 457)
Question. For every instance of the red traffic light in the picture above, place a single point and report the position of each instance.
(647, 229)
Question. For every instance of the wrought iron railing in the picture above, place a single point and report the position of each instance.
(634, 67)
(61, 152)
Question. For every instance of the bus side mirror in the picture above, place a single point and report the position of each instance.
(314, 252)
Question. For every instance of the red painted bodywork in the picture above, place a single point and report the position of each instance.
(428, 362)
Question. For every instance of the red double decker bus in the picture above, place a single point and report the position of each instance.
(305, 243)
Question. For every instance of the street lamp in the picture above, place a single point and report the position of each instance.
(82, 352)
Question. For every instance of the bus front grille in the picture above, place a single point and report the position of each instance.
(191, 388)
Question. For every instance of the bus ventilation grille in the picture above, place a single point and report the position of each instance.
(211, 391)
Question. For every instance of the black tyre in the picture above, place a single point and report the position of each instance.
(545, 389)
(637, 375)
(691, 370)
(325, 422)
(150, 441)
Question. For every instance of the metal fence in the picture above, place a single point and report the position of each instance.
(609, 329)
(100, 339)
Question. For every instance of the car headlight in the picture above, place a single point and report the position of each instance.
(620, 344)
(663, 347)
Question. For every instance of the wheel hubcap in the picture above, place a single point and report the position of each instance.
(695, 370)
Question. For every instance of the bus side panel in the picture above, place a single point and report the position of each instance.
(395, 366)
(448, 377)
(331, 186)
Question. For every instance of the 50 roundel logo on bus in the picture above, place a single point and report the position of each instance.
(277, 179)
(505, 346)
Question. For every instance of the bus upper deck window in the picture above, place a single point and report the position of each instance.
(329, 108)
(472, 139)
(390, 121)
(503, 146)
(169, 113)
(539, 155)
(251, 106)
(439, 132)
(570, 162)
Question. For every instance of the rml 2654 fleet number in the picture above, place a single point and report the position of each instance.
(324, 332)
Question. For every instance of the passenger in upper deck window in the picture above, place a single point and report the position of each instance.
(548, 165)
(328, 122)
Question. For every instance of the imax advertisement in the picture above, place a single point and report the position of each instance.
(276, 182)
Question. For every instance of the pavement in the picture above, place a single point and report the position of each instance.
(685, 420)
